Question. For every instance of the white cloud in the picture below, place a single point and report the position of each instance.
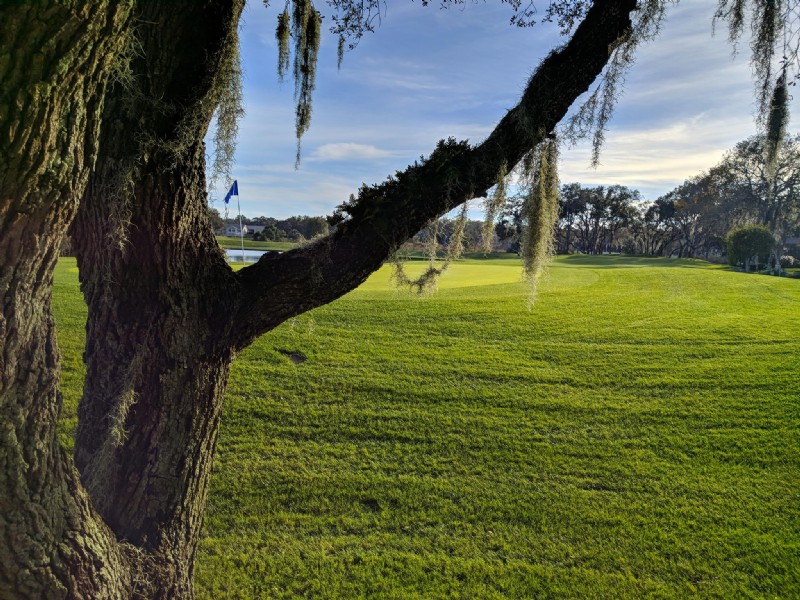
(399, 76)
(656, 159)
(348, 151)
(280, 191)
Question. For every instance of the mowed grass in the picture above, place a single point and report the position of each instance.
(234, 243)
(633, 435)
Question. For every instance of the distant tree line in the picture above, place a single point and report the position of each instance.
(293, 229)
(692, 221)
(695, 220)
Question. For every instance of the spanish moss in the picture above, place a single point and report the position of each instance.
(774, 39)
(777, 120)
(306, 27)
(493, 205)
(426, 283)
(455, 247)
(229, 112)
(768, 23)
(540, 211)
(433, 243)
(593, 116)
(732, 11)
(282, 35)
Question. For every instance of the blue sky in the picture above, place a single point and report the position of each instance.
(427, 74)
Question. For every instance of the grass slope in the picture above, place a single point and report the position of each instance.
(634, 435)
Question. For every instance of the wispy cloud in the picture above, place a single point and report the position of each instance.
(655, 159)
(347, 151)
(398, 76)
(686, 101)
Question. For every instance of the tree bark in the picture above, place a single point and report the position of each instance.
(569, 237)
(54, 61)
(166, 313)
(158, 290)
(157, 366)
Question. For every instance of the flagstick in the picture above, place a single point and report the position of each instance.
(241, 231)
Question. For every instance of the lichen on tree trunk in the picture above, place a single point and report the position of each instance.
(54, 61)
(158, 289)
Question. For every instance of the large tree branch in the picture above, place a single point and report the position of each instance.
(279, 287)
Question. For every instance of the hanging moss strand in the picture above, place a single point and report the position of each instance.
(433, 244)
(540, 211)
(426, 283)
(456, 246)
(300, 10)
(340, 52)
(493, 205)
(777, 120)
(306, 28)
(228, 114)
(283, 35)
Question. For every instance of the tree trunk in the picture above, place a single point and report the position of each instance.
(158, 362)
(54, 60)
(166, 313)
(158, 289)
(569, 236)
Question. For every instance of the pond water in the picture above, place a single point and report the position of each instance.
(250, 256)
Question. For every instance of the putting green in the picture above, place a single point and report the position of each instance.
(479, 273)
(467, 273)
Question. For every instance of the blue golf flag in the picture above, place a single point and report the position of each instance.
(234, 191)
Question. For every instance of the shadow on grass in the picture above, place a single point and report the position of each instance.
(601, 261)
(622, 261)
(416, 255)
